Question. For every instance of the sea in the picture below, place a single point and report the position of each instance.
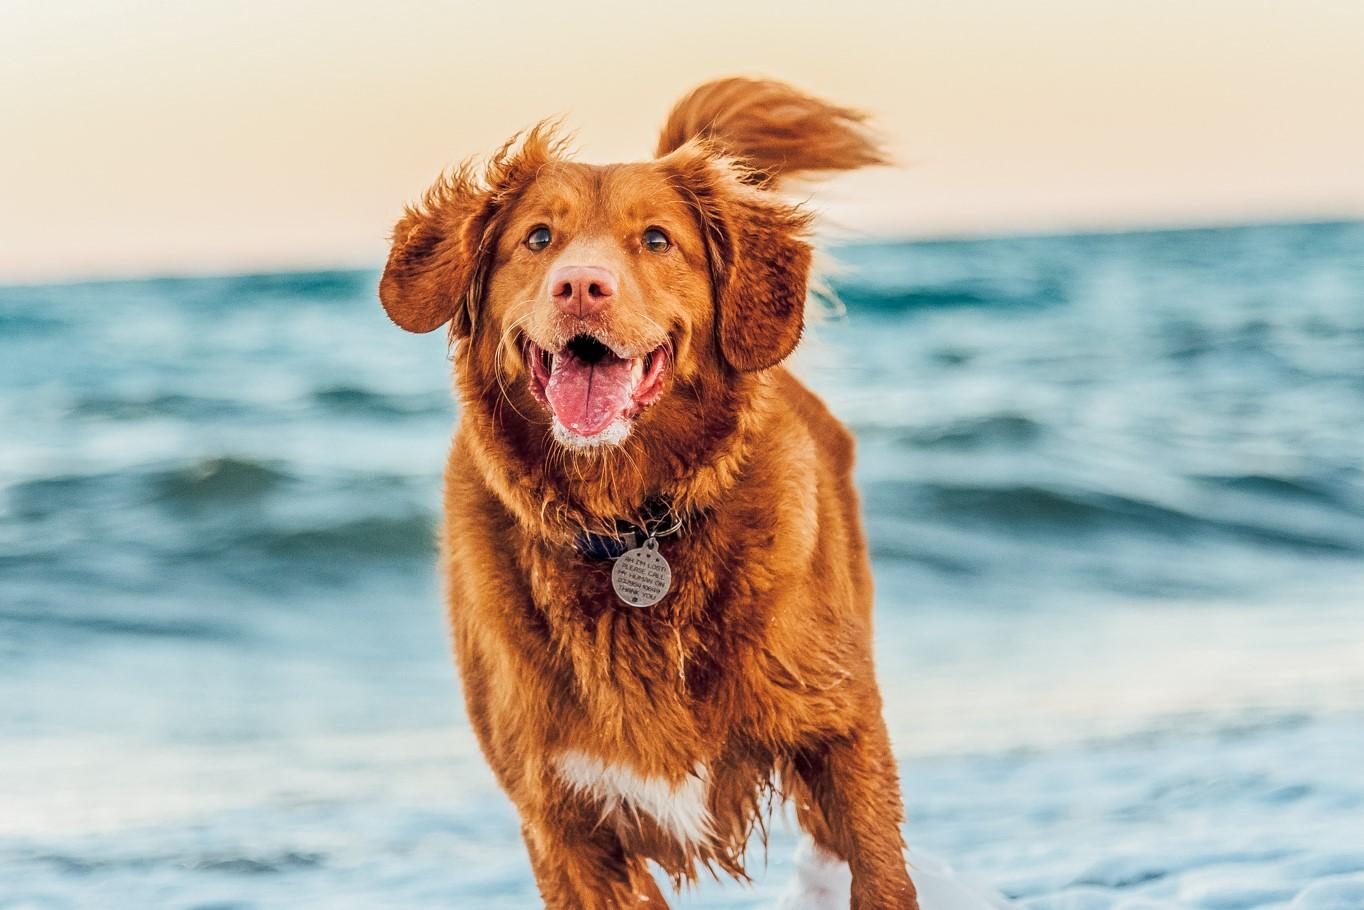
(1114, 489)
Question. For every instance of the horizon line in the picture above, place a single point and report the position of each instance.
(853, 239)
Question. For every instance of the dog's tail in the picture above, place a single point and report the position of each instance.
(772, 128)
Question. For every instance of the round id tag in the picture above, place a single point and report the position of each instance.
(642, 576)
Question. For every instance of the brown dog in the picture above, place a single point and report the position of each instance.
(618, 336)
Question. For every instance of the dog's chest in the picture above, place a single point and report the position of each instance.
(681, 809)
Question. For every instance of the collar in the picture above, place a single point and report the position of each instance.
(657, 521)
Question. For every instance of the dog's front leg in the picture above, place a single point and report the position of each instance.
(856, 787)
(586, 868)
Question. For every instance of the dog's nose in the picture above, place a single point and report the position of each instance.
(581, 289)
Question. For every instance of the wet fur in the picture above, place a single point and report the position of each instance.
(755, 672)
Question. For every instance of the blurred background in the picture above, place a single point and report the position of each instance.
(1103, 350)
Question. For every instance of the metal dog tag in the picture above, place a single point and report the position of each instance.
(642, 576)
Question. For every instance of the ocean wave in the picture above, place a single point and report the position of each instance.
(1077, 512)
(373, 536)
(229, 863)
(352, 399)
(16, 322)
(215, 480)
(63, 494)
(341, 399)
(340, 285)
(230, 520)
(874, 298)
(177, 405)
(972, 433)
(118, 625)
(1280, 487)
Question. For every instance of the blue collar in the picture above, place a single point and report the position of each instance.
(600, 546)
(654, 513)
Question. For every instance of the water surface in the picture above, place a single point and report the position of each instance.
(1114, 487)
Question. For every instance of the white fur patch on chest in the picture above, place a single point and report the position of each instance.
(681, 809)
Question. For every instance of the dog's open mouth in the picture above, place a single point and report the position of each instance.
(592, 391)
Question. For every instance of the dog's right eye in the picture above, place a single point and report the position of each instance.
(538, 239)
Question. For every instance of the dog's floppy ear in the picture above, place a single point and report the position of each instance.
(437, 254)
(760, 299)
(759, 257)
(443, 248)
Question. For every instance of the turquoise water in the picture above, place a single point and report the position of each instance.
(1114, 487)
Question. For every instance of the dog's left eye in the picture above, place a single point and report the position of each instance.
(656, 241)
(539, 238)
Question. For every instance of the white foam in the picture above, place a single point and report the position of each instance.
(822, 881)
(941, 887)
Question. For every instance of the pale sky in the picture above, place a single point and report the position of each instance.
(211, 136)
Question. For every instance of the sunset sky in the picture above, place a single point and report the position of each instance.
(210, 136)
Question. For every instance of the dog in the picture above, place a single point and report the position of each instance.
(656, 574)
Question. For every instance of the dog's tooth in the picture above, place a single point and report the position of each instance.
(637, 369)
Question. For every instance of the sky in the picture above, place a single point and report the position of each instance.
(210, 136)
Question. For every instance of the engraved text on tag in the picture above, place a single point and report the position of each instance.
(642, 576)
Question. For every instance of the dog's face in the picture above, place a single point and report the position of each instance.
(601, 280)
(593, 297)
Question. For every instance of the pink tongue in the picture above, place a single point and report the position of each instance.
(586, 397)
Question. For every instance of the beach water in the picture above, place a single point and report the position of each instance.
(1114, 487)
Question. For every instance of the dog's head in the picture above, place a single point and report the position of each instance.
(613, 325)
(589, 295)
